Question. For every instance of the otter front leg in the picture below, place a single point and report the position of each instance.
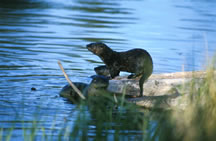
(114, 72)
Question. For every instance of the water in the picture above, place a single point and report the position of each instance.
(34, 35)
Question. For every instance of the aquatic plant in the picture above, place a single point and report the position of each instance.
(198, 120)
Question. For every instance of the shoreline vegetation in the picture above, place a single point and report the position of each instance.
(164, 91)
(99, 121)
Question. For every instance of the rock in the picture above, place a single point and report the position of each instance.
(33, 89)
(164, 91)
(156, 85)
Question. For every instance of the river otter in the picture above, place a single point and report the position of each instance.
(96, 87)
(68, 92)
(102, 70)
(137, 61)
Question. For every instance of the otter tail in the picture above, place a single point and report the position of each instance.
(141, 82)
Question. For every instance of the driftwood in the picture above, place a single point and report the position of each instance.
(166, 90)
(70, 82)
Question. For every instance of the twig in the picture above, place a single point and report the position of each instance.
(70, 82)
(115, 99)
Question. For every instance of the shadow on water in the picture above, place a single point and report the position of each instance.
(35, 34)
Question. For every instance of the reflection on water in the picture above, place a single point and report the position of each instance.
(35, 34)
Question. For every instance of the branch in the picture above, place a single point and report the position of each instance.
(70, 82)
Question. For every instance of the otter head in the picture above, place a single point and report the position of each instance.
(102, 70)
(97, 48)
(99, 82)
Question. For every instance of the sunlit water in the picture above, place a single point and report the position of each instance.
(35, 35)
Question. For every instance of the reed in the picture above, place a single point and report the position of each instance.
(198, 120)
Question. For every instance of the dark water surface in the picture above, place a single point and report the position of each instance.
(35, 34)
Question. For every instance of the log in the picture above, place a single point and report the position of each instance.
(160, 90)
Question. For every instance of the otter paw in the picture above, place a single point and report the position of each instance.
(131, 76)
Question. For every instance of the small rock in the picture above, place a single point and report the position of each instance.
(33, 89)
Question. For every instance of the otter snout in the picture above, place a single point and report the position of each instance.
(88, 46)
(91, 47)
(97, 48)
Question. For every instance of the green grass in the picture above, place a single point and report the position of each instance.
(197, 122)
(8, 134)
